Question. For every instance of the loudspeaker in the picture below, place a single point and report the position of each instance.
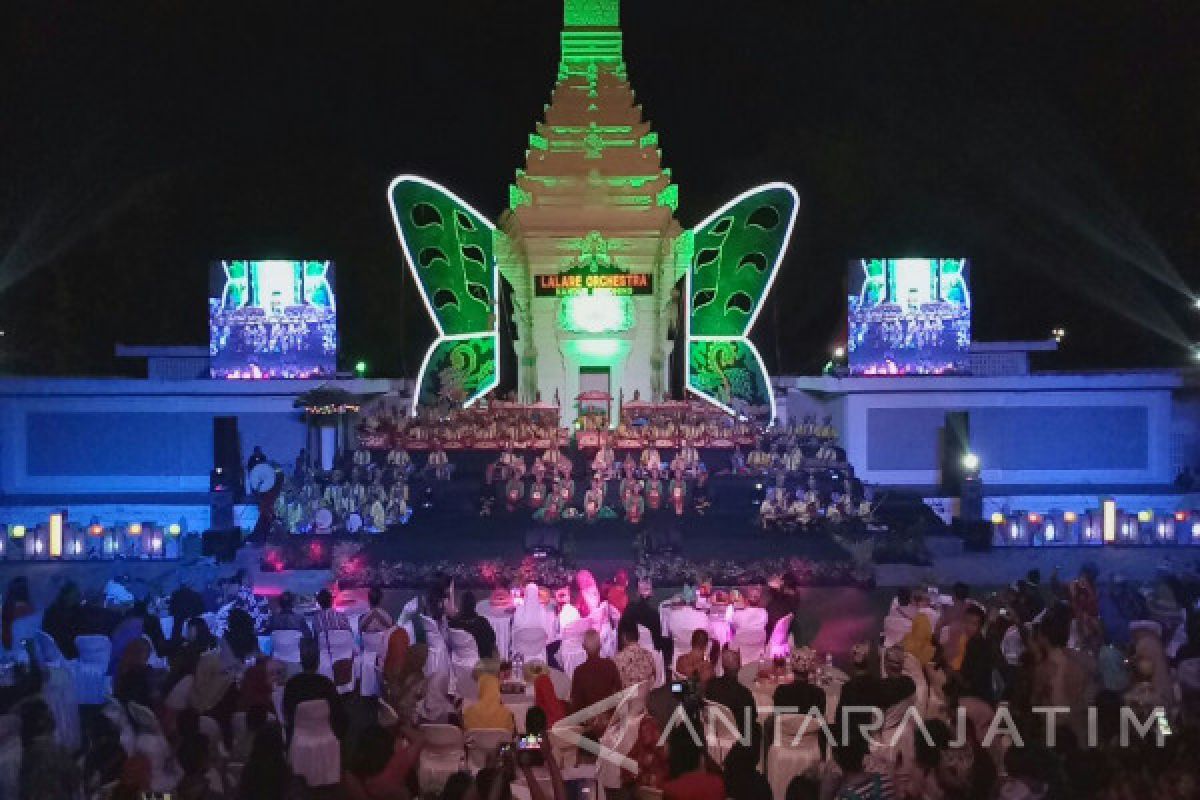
(956, 443)
(227, 452)
(220, 509)
(221, 544)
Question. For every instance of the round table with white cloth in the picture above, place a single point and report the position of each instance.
(831, 680)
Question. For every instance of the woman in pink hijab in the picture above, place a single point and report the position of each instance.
(589, 592)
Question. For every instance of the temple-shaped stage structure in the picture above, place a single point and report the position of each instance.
(606, 285)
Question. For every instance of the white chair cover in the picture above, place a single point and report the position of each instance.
(778, 645)
(749, 619)
(530, 643)
(91, 680)
(788, 757)
(501, 622)
(720, 730)
(481, 743)
(373, 646)
(750, 642)
(58, 690)
(646, 640)
(464, 650)
(683, 622)
(895, 627)
(570, 652)
(442, 756)
(285, 647)
(315, 753)
(439, 654)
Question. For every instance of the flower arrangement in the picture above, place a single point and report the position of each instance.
(675, 571)
(357, 571)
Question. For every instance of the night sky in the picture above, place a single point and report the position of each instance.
(1055, 143)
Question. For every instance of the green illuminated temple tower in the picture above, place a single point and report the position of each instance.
(594, 256)
(592, 199)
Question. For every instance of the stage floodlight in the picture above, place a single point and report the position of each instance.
(17, 531)
(970, 463)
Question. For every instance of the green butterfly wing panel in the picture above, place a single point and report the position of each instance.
(450, 251)
(458, 370)
(736, 252)
(729, 371)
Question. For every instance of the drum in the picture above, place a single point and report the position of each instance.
(354, 522)
(262, 478)
(323, 521)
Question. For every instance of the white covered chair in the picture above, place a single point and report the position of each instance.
(150, 741)
(285, 648)
(750, 632)
(481, 743)
(793, 755)
(91, 679)
(464, 650)
(646, 640)
(338, 645)
(315, 753)
(895, 627)
(530, 643)
(58, 690)
(721, 729)
(778, 644)
(570, 652)
(442, 756)
(683, 622)
(439, 653)
(374, 644)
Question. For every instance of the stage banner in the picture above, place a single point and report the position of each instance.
(735, 254)
(450, 251)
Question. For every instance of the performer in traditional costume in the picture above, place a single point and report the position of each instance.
(593, 500)
(629, 466)
(539, 469)
(537, 493)
(514, 491)
(654, 492)
(737, 462)
(635, 506)
(768, 511)
(439, 462)
(651, 460)
(678, 493)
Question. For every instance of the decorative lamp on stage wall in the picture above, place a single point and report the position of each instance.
(1071, 527)
(1146, 529)
(75, 543)
(1109, 520)
(16, 544)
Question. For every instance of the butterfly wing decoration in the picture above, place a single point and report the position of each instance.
(450, 251)
(736, 252)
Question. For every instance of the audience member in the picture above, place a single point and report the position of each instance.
(634, 663)
(472, 622)
(689, 779)
(327, 617)
(727, 689)
(286, 618)
(63, 619)
(267, 775)
(488, 711)
(596, 678)
(643, 612)
(695, 664)
(17, 605)
(376, 619)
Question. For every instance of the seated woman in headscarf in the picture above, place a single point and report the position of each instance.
(919, 640)
(398, 645)
(134, 680)
(546, 698)
(488, 712)
(589, 593)
(17, 605)
(532, 614)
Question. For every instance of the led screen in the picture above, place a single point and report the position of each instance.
(909, 316)
(272, 319)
